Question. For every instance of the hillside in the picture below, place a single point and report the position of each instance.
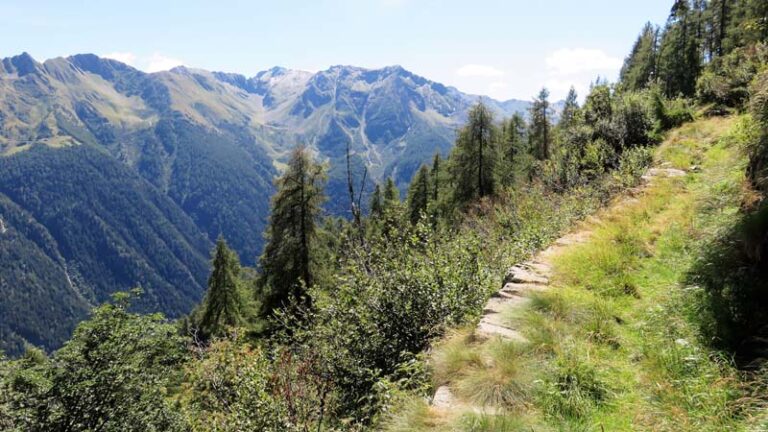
(602, 330)
(194, 154)
(78, 226)
(595, 265)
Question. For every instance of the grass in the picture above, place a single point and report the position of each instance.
(616, 342)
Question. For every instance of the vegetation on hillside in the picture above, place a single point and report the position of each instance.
(91, 227)
(330, 330)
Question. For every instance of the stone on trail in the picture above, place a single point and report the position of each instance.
(518, 274)
(486, 328)
(444, 398)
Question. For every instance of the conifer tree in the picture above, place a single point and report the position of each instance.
(434, 175)
(391, 194)
(639, 68)
(570, 108)
(223, 305)
(475, 156)
(418, 195)
(512, 145)
(748, 24)
(377, 206)
(679, 61)
(540, 134)
(718, 23)
(288, 266)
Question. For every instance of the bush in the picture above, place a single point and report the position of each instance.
(112, 375)
(388, 304)
(227, 389)
(758, 145)
(726, 80)
(634, 120)
(670, 113)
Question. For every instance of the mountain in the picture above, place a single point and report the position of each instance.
(78, 225)
(112, 178)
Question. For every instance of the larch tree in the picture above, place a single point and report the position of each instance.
(376, 205)
(639, 68)
(512, 145)
(287, 264)
(418, 195)
(540, 129)
(718, 20)
(391, 194)
(475, 156)
(679, 61)
(570, 108)
(434, 175)
(223, 305)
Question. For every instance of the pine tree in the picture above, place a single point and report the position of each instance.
(391, 194)
(223, 306)
(748, 24)
(473, 160)
(639, 68)
(679, 61)
(434, 175)
(718, 19)
(540, 134)
(377, 206)
(418, 195)
(287, 263)
(512, 145)
(570, 108)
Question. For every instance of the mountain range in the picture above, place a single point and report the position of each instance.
(112, 178)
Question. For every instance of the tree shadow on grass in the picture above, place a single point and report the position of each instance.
(732, 274)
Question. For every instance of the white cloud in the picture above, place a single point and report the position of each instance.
(158, 62)
(480, 71)
(560, 87)
(123, 57)
(578, 67)
(577, 60)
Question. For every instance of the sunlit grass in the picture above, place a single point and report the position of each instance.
(614, 344)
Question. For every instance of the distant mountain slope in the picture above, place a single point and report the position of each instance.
(169, 125)
(140, 172)
(79, 226)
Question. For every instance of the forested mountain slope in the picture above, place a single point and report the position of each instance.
(78, 226)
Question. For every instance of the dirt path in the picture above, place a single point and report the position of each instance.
(525, 278)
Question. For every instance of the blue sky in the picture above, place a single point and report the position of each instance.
(505, 49)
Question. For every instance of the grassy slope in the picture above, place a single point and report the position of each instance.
(614, 344)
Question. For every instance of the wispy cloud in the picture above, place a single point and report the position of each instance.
(572, 61)
(158, 62)
(155, 63)
(123, 57)
(578, 67)
(479, 71)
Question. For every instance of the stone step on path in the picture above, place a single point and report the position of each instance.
(662, 172)
(521, 279)
(531, 276)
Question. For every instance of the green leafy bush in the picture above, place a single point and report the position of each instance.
(112, 375)
(726, 80)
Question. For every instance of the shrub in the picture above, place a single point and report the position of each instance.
(227, 389)
(670, 113)
(112, 375)
(726, 80)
